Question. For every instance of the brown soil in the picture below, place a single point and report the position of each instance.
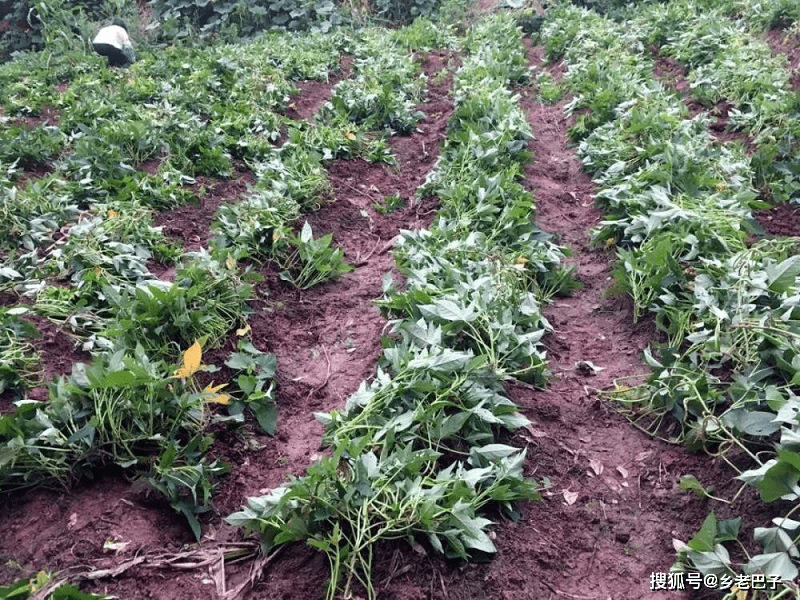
(606, 521)
(33, 173)
(313, 94)
(57, 352)
(191, 223)
(782, 42)
(671, 72)
(47, 116)
(327, 339)
(150, 166)
(783, 220)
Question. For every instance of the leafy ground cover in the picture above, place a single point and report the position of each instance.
(393, 215)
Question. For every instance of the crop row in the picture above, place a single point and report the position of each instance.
(78, 242)
(678, 209)
(726, 61)
(416, 451)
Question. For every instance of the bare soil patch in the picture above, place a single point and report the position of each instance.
(327, 339)
(150, 166)
(671, 72)
(783, 220)
(782, 42)
(313, 94)
(34, 172)
(191, 223)
(48, 115)
(57, 351)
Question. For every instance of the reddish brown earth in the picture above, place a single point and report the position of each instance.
(34, 172)
(328, 338)
(783, 220)
(671, 72)
(57, 353)
(313, 94)
(48, 115)
(608, 517)
(57, 349)
(782, 42)
(191, 223)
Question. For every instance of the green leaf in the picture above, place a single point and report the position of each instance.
(728, 530)
(191, 518)
(268, 364)
(777, 564)
(705, 538)
(306, 235)
(447, 310)
(690, 482)
(752, 422)
(774, 479)
(789, 410)
(775, 539)
(784, 275)
(119, 379)
(786, 523)
(422, 333)
(266, 415)
(716, 560)
(789, 456)
(494, 452)
(370, 463)
(68, 592)
(239, 361)
(446, 361)
(247, 383)
(479, 541)
(16, 591)
(452, 424)
(436, 542)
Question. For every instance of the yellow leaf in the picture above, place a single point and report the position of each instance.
(522, 260)
(191, 361)
(112, 214)
(350, 135)
(219, 399)
(230, 262)
(243, 331)
(211, 388)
